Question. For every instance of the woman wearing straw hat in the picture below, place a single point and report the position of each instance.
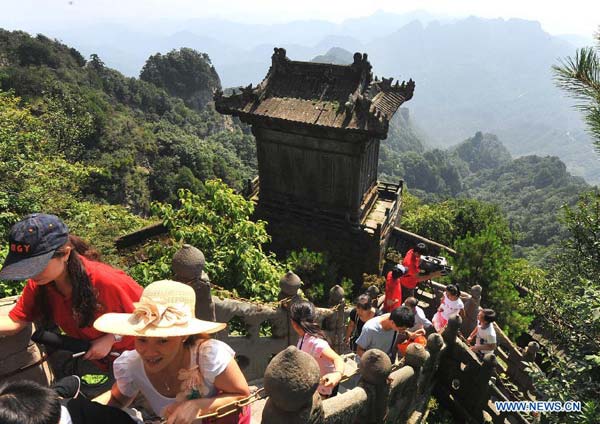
(67, 285)
(180, 371)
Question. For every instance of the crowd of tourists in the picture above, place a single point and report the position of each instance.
(150, 339)
(392, 324)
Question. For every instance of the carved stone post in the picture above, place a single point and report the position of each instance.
(291, 381)
(405, 385)
(375, 368)
(289, 285)
(434, 346)
(415, 357)
(474, 392)
(188, 267)
(450, 333)
(19, 352)
(373, 292)
(531, 351)
(335, 323)
(471, 310)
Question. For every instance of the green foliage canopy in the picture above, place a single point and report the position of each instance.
(481, 236)
(183, 73)
(567, 308)
(216, 221)
(37, 178)
(138, 135)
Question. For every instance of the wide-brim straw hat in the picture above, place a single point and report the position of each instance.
(166, 309)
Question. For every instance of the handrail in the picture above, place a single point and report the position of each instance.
(425, 240)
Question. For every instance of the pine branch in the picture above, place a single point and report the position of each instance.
(580, 77)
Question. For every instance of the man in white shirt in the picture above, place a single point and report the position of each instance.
(421, 321)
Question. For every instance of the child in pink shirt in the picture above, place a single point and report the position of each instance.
(312, 341)
(451, 305)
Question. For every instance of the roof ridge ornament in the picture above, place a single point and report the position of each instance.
(386, 83)
(248, 93)
(279, 57)
(361, 64)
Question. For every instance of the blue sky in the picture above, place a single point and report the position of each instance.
(580, 17)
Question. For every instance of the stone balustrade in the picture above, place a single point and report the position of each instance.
(446, 367)
(254, 351)
(381, 395)
(20, 358)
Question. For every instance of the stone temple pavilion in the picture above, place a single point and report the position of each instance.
(318, 127)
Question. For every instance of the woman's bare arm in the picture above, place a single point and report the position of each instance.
(333, 378)
(8, 327)
(349, 330)
(118, 399)
(232, 386)
(232, 381)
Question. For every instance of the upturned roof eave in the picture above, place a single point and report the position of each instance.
(252, 118)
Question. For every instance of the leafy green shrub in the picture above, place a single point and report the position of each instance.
(217, 221)
(316, 271)
(485, 260)
(566, 302)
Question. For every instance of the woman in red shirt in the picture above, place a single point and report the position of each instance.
(412, 278)
(393, 289)
(65, 284)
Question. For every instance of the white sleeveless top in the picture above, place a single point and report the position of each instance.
(214, 357)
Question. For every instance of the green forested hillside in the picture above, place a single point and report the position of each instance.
(80, 140)
(530, 190)
(144, 142)
(35, 177)
(183, 73)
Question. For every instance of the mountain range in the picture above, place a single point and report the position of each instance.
(472, 74)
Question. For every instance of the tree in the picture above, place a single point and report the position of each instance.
(567, 302)
(479, 232)
(448, 221)
(483, 151)
(217, 221)
(184, 73)
(484, 259)
(567, 308)
(37, 178)
(68, 122)
(580, 77)
(317, 272)
(32, 177)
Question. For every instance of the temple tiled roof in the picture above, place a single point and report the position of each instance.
(320, 94)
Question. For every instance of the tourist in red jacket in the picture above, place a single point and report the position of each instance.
(65, 284)
(393, 288)
(413, 277)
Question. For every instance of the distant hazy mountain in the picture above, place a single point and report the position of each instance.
(335, 55)
(491, 76)
(471, 74)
